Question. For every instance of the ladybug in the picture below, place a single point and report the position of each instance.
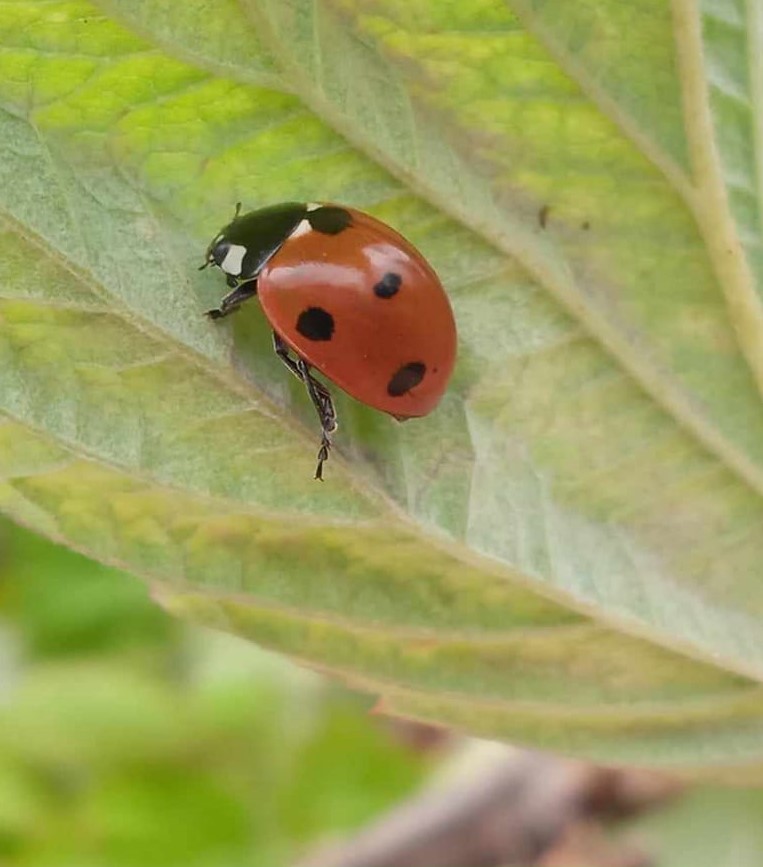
(346, 295)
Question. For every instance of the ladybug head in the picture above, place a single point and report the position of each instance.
(224, 255)
(216, 252)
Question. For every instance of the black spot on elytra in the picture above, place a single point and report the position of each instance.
(330, 220)
(388, 285)
(406, 378)
(315, 323)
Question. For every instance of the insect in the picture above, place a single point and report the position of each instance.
(347, 296)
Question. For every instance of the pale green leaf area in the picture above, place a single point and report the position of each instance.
(568, 551)
(709, 828)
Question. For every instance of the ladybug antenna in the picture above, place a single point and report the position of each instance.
(238, 210)
(205, 265)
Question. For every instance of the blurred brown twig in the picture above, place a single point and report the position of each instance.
(519, 808)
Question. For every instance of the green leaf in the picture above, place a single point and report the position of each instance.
(707, 828)
(568, 551)
(65, 604)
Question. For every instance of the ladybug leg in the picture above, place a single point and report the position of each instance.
(324, 406)
(282, 351)
(320, 396)
(233, 300)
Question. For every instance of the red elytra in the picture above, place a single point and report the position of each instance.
(351, 297)
(405, 324)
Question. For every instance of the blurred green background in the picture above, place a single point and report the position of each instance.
(127, 738)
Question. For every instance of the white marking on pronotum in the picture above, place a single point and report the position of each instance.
(231, 264)
(312, 206)
(302, 228)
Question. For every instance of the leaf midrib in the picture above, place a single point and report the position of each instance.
(710, 203)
